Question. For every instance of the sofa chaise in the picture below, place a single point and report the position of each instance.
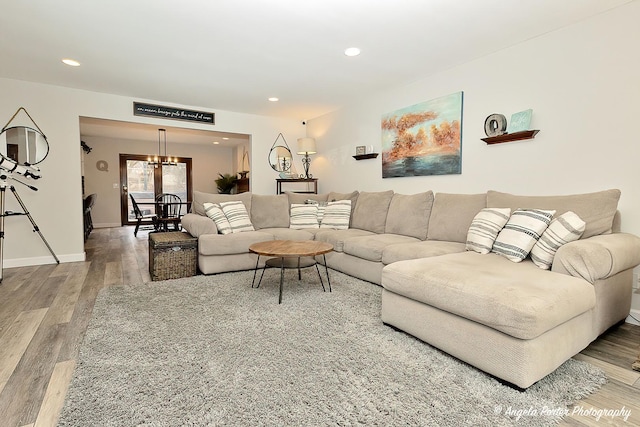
(515, 321)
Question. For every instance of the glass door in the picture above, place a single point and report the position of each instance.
(145, 181)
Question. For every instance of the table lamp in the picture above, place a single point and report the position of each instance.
(306, 146)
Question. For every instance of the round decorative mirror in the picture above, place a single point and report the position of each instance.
(280, 158)
(23, 145)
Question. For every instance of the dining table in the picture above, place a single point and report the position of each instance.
(164, 217)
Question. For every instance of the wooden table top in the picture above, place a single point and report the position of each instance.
(291, 248)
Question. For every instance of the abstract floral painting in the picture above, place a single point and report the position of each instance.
(423, 139)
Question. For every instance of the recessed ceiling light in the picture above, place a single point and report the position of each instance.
(71, 62)
(352, 51)
(274, 99)
(225, 138)
(216, 142)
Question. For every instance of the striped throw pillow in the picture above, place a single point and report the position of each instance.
(521, 232)
(214, 212)
(336, 215)
(237, 215)
(485, 228)
(562, 230)
(321, 208)
(303, 216)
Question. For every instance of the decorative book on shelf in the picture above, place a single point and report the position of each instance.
(365, 156)
(508, 137)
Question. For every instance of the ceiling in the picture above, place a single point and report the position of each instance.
(114, 129)
(234, 54)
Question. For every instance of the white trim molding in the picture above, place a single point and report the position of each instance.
(107, 225)
(25, 262)
(635, 313)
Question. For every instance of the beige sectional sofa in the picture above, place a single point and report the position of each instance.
(512, 320)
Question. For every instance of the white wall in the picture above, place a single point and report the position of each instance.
(57, 207)
(582, 83)
(207, 162)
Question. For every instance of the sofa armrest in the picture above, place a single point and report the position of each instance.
(198, 225)
(598, 257)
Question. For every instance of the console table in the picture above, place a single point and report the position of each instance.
(280, 181)
(242, 185)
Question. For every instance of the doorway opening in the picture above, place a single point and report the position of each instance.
(210, 153)
(145, 182)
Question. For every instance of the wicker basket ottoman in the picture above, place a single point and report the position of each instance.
(172, 255)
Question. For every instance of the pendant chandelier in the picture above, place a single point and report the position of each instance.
(159, 158)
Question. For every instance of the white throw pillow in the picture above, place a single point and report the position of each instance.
(237, 215)
(320, 213)
(214, 212)
(521, 232)
(336, 215)
(321, 206)
(485, 228)
(304, 216)
(562, 230)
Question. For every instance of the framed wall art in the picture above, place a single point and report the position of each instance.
(423, 139)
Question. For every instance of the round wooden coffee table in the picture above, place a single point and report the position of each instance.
(291, 254)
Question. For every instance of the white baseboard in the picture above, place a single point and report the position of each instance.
(636, 314)
(24, 262)
(107, 225)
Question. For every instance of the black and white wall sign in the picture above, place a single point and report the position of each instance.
(150, 110)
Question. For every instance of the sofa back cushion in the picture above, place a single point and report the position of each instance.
(300, 198)
(597, 210)
(409, 215)
(371, 211)
(199, 198)
(334, 197)
(452, 215)
(270, 211)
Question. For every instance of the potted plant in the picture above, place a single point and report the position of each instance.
(226, 183)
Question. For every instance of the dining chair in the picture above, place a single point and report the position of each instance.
(140, 216)
(169, 210)
(87, 205)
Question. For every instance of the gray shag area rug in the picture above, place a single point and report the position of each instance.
(212, 351)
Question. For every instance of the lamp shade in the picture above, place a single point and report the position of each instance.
(306, 146)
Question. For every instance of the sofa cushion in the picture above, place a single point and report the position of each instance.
(568, 227)
(521, 232)
(485, 228)
(597, 210)
(518, 299)
(270, 211)
(372, 247)
(425, 249)
(199, 198)
(599, 257)
(334, 197)
(371, 211)
(236, 243)
(214, 212)
(338, 237)
(300, 198)
(198, 225)
(336, 215)
(409, 215)
(237, 215)
(452, 214)
(303, 216)
(289, 234)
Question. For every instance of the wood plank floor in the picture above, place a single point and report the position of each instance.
(44, 312)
